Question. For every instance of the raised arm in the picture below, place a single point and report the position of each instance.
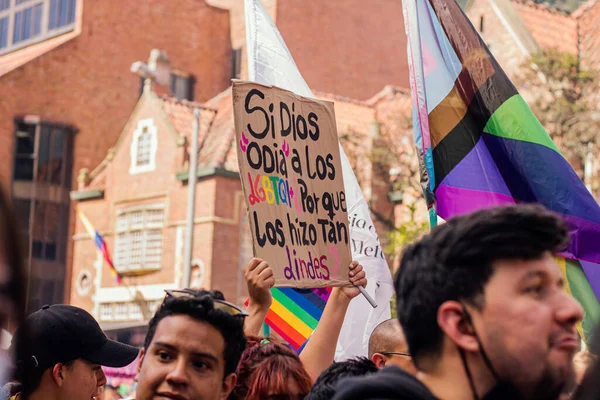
(320, 349)
(260, 280)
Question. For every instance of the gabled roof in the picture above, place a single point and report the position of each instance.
(217, 137)
(536, 25)
(549, 26)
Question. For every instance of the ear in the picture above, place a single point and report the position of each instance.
(456, 326)
(378, 360)
(58, 374)
(228, 385)
(139, 366)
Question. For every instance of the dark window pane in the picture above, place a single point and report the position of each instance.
(3, 31)
(36, 249)
(22, 209)
(57, 155)
(182, 87)
(23, 169)
(37, 229)
(4, 4)
(63, 232)
(25, 139)
(22, 1)
(44, 155)
(50, 251)
(18, 30)
(37, 20)
(53, 222)
(236, 69)
(71, 15)
(63, 13)
(53, 17)
(27, 23)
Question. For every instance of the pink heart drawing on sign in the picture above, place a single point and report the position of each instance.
(286, 148)
(243, 142)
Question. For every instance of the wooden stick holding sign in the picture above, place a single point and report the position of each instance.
(290, 168)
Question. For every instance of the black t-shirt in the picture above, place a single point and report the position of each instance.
(391, 383)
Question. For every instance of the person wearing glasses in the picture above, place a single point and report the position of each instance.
(387, 346)
(192, 348)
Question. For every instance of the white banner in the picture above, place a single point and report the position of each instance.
(270, 63)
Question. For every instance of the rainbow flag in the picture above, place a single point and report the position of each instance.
(295, 313)
(481, 146)
(100, 244)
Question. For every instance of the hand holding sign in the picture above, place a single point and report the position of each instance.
(358, 278)
(260, 280)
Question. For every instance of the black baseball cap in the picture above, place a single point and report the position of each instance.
(61, 333)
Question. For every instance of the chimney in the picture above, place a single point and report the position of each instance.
(157, 70)
(159, 63)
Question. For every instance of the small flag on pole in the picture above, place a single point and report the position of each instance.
(100, 244)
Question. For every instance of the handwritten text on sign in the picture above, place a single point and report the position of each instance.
(290, 169)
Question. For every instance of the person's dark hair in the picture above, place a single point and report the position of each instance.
(455, 261)
(12, 249)
(326, 384)
(201, 308)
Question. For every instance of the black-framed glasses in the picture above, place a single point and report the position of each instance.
(395, 353)
(221, 305)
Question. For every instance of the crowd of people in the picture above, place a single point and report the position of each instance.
(481, 314)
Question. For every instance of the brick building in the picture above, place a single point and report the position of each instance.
(352, 48)
(67, 92)
(136, 198)
(516, 29)
(587, 17)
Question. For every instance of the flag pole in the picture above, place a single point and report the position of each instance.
(189, 231)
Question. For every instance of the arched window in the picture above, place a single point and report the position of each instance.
(143, 147)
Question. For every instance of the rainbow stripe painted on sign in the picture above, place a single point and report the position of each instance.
(481, 146)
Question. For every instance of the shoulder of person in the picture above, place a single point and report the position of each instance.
(391, 383)
(10, 391)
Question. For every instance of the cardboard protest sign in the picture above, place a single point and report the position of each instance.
(290, 169)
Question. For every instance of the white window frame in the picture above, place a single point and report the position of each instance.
(152, 131)
(107, 312)
(45, 32)
(143, 228)
(135, 310)
(121, 311)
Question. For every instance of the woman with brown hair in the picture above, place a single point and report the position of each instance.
(270, 370)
